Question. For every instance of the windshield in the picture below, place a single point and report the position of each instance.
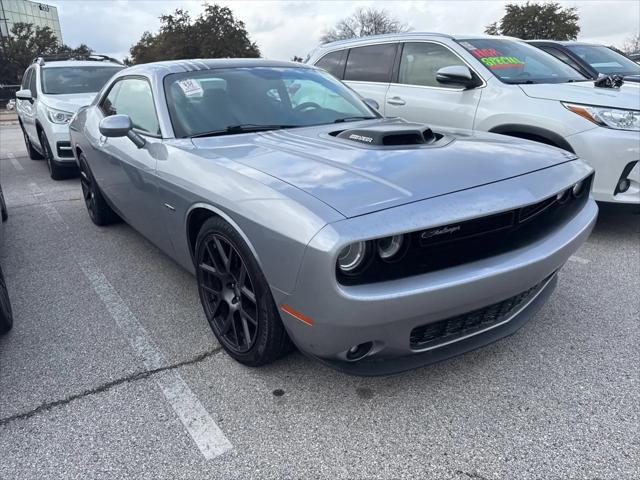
(516, 62)
(66, 80)
(234, 100)
(604, 60)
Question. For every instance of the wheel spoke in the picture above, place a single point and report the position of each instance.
(227, 322)
(245, 329)
(244, 290)
(209, 269)
(211, 290)
(222, 253)
(248, 317)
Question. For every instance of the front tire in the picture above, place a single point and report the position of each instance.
(99, 210)
(6, 315)
(236, 297)
(31, 151)
(56, 171)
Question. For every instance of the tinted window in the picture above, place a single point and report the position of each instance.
(332, 63)
(26, 77)
(134, 98)
(371, 64)
(516, 62)
(211, 101)
(108, 104)
(65, 80)
(32, 83)
(604, 60)
(420, 62)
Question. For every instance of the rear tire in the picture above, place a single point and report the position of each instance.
(99, 210)
(236, 297)
(6, 315)
(3, 208)
(31, 151)
(56, 171)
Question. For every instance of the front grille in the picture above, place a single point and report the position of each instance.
(451, 329)
(458, 243)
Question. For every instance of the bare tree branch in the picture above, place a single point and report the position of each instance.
(363, 23)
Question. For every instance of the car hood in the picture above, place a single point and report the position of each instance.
(69, 103)
(586, 93)
(357, 179)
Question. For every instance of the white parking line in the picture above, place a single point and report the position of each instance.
(209, 438)
(14, 161)
(575, 258)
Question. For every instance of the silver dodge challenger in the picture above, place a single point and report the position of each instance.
(372, 244)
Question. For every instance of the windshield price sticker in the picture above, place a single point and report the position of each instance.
(492, 58)
(191, 88)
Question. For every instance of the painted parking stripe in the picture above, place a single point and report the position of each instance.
(575, 258)
(14, 161)
(208, 437)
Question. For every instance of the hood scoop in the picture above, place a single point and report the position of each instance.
(390, 135)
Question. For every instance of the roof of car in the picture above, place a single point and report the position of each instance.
(79, 63)
(564, 42)
(401, 36)
(179, 66)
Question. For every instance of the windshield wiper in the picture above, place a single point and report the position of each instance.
(522, 82)
(353, 119)
(242, 128)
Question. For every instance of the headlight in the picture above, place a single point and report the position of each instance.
(388, 247)
(352, 257)
(59, 116)
(616, 118)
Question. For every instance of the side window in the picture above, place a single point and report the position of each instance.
(373, 63)
(26, 77)
(421, 60)
(107, 105)
(333, 63)
(134, 98)
(32, 83)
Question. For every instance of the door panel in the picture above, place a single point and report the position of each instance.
(419, 97)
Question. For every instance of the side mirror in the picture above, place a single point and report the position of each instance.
(372, 103)
(24, 94)
(120, 126)
(457, 75)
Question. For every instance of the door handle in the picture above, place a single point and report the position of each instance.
(396, 101)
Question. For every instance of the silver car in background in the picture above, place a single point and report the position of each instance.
(375, 245)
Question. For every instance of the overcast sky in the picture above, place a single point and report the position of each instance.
(283, 29)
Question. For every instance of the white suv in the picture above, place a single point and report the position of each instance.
(52, 91)
(499, 85)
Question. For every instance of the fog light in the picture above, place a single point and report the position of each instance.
(358, 351)
(578, 189)
(623, 185)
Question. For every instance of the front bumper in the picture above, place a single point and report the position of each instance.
(385, 313)
(60, 143)
(615, 156)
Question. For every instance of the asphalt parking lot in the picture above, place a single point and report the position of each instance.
(112, 372)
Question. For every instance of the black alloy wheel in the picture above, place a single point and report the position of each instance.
(230, 305)
(99, 211)
(236, 297)
(6, 316)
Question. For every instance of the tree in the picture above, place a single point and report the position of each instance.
(297, 59)
(535, 20)
(632, 44)
(27, 42)
(362, 23)
(213, 34)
